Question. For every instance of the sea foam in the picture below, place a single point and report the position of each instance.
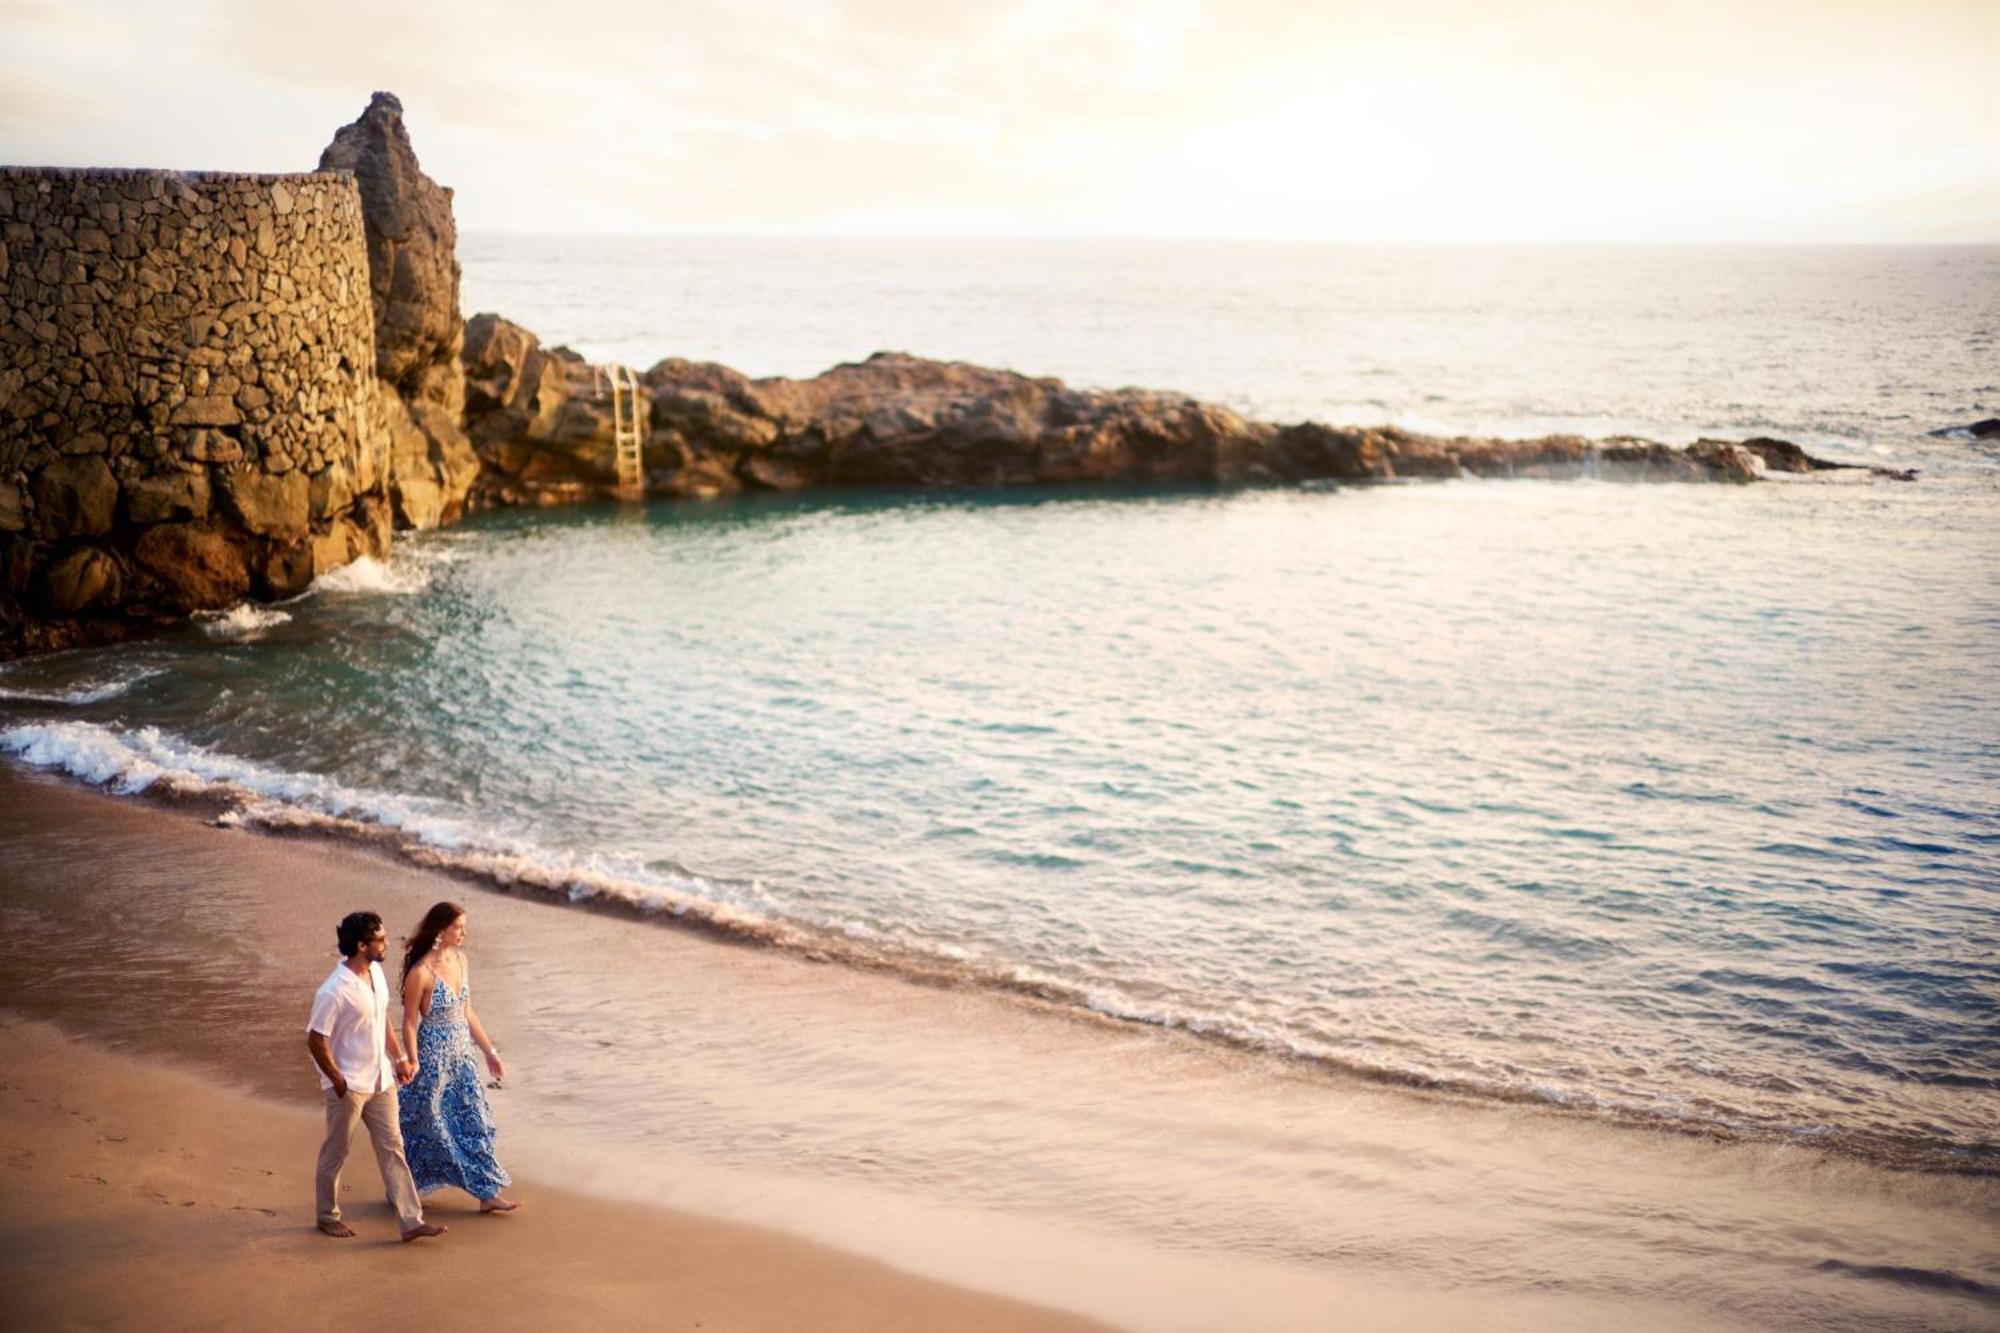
(78, 695)
(369, 575)
(243, 621)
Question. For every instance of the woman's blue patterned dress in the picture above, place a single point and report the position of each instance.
(447, 1125)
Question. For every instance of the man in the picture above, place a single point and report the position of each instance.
(353, 1044)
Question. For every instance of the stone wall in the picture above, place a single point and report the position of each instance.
(189, 411)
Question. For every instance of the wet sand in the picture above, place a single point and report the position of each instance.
(137, 1196)
(1135, 1176)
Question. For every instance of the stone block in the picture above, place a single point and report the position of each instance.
(270, 506)
(166, 498)
(207, 410)
(75, 497)
(79, 579)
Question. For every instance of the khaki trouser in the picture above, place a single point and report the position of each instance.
(377, 1110)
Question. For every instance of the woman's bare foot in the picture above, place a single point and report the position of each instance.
(336, 1229)
(496, 1204)
(423, 1229)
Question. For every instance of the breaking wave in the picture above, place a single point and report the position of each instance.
(369, 575)
(80, 695)
(245, 620)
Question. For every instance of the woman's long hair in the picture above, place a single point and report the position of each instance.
(434, 924)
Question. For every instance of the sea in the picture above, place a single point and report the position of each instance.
(1673, 808)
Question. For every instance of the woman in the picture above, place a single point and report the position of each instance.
(447, 1125)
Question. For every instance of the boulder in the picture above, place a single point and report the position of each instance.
(1723, 460)
(199, 565)
(167, 497)
(75, 496)
(285, 569)
(415, 486)
(1784, 456)
(277, 506)
(1989, 429)
(1310, 450)
(339, 545)
(78, 580)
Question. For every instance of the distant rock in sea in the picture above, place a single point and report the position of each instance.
(1988, 429)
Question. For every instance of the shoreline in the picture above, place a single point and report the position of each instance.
(765, 1111)
(239, 794)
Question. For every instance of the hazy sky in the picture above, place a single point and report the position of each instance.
(1459, 119)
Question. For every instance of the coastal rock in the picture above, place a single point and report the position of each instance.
(540, 419)
(413, 278)
(199, 565)
(1989, 429)
(415, 488)
(1310, 450)
(542, 427)
(75, 497)
(78, 580)
(1784, 456)
(284, 569)
(270, 506)
(167, 497)
(412, 243)
(340, 545)
(1723, 460)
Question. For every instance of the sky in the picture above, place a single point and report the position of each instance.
(1421, 120)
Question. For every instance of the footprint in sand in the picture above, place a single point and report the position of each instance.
(22, 1159)
(244, 1208)
(94, 1180)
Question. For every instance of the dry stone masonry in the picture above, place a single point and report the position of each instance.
(189, 410)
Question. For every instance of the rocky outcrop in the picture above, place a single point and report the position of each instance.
(187, 394)
(541, 419)
(543, 432)
(413, 282)
(1989, 429)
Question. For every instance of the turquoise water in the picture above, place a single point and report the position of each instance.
(1675, 804)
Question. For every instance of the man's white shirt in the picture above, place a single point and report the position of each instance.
(353, 1016)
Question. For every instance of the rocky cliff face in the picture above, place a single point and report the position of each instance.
(541, 419)
(413, 282)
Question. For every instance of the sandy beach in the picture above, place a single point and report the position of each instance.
(741, 1138)
(140, 1196)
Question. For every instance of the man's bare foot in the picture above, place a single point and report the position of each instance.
(423, 1229)
(336, 1229)
(496, 1204)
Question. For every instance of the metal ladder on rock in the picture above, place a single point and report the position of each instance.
(622, 386)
